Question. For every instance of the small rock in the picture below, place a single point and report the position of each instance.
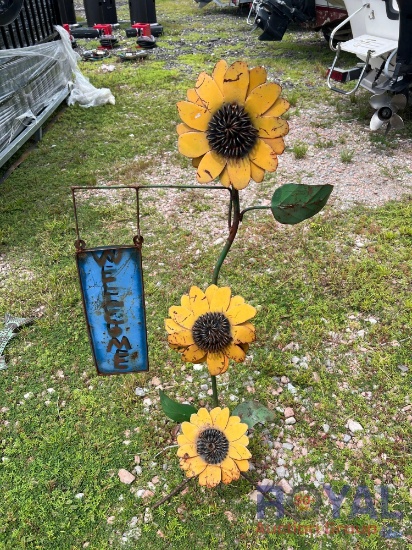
(51, 390)
(354, 426)
(372, 321)
(347, 438)
(204, 387)
(319, 476)
(285, 486)
(361, 333)
(290, 421)
(140, 493)
(289, 412)
(125, 476)
(220, 240)
(111, 519)
(295, 359)
(147, 402)
(28, 395)
(155, 480)
(155, 381)
(198, 366)
(148, 518)
(253, 496)
(79, 495)
(284, 379)
(291, 388)
(140, 392)
(281, 471)
(326, 428)
(403, 368)
(288, 446)
(230, 517)
(137, 470)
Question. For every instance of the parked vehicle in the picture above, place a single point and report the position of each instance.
(377, 32)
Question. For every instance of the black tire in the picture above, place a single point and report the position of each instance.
(9, 10)
(343, 34)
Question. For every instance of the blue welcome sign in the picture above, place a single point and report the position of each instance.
(111, 282)
(112, 288)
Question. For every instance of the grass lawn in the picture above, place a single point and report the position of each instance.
(334, 304)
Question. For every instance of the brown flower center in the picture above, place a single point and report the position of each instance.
(212, 445)
(211, 332)
(231, 132)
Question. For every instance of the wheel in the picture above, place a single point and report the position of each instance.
(343, 34)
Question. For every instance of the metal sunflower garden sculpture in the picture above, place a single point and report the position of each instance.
(232, 130)
(231, 126)
(213, 446)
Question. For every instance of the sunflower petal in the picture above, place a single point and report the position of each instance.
(277, 144)
(244, 333)
(183, 338)
(235, 352)
(238, 452)
(239, 172)
(230, 472)
(194, 354)
(193, 144)
(278, 108)
(236, 301)
(256, 172)
(262, 98)
(190, 431)
(182, 128)
(183, 440)
(263, 155)
(193, 466)
(236, 432)
(171, 326)
(211, 476)
(236, 83)
(220, 420)
(210, 292)
(201, 418)
(209, 92)
(210, 167)
(220, 299)
(195, 116)
(185, 301)
(240, 314)
(224, 178)
(270, 127)
(219, 73)
(257, 76)
(187, 451)
(182, 316)
(194, 98)
(198, 301)
(217, 363)
(214, 413)
(243, 465)
(243, 440)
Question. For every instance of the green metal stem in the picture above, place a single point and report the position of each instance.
(235, 209)
(254, 208)
(214, 389)
(232, 234)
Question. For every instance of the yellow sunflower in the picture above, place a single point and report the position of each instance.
(213, 447)
(211, 326)
(231, 126)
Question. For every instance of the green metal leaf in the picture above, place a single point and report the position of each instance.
(252, 412)
(174, 410)
(292, 203)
